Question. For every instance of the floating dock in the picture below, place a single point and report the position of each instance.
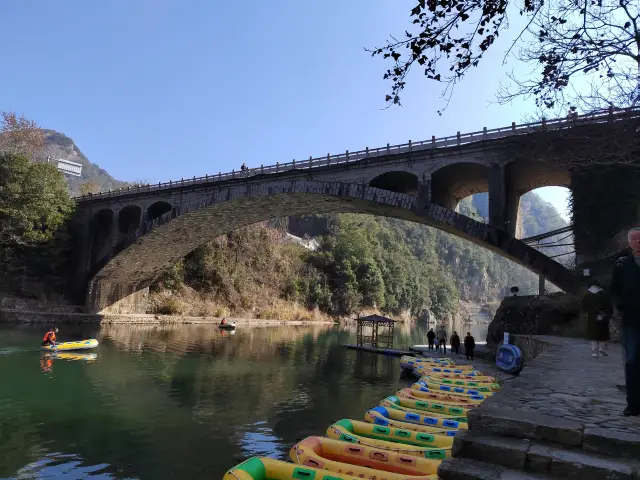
(383, 351)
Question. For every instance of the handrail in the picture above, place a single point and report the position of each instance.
(459, 139)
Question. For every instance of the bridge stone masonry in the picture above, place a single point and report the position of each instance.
(126, 238)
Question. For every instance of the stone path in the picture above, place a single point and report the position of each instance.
(560, 418)
(566, 381)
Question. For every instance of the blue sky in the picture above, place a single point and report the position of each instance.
(164, 89)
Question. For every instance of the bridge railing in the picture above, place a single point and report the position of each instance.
(459, 139)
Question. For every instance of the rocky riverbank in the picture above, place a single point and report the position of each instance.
(10, 316)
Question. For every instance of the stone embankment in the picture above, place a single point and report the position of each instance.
(39, 317)
(560, 418)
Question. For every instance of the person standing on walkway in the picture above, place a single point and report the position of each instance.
(469, 346)
(431, 336)
(625, 292)
(442, 339)
(455, 343)
(598, 309)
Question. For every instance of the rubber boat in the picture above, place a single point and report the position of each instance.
(376, 418)
(462, 383)
(359, 460)
(456, 390)
(424, 387)
(66, 346)
(425, 406)
(393, 406)
(408, 441)
(408, 362)
(416, 418)
(452, 400)
(262, 468)
(227, 326)
(455, 376)
(425, 369)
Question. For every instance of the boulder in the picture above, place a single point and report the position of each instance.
(535, 315)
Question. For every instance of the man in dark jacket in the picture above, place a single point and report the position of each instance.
(469, 345)
(625, 293)
(431, 336)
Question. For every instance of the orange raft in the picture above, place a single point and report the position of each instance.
(358, 460)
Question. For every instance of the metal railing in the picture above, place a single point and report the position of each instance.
(459, 139)
(552, 233)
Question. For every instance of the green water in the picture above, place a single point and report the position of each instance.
(179, 402)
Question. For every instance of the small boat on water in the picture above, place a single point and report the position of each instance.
(373, 416)
(426, 406)
(227, 326)
(67, 346)
(390, 438)
(418, 392)
(358, 460)
(262, 468)
(480, 386)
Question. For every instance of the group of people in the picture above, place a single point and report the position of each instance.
(438, 342)
(623, 297)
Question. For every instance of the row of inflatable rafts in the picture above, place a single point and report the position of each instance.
(405, 437)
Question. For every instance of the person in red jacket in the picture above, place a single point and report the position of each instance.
(50, 337)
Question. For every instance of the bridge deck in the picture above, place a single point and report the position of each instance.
(604, 116)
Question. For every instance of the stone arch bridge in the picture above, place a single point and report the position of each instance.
(127, 237)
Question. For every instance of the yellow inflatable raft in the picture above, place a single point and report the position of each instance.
(451, 411)
(415, 418)
(409, 441)
(261, 468)
(376, 418)
(439, 397)
(65, 346)
(458, 393)
(388, 403)
(472, 375)
(427, 369)
(359, 460)
(462, 383)
(408, 362)
(473, 391)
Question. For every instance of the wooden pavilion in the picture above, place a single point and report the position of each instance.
(375, 330)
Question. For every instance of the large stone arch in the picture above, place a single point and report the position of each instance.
(166, 239)
(455, 181)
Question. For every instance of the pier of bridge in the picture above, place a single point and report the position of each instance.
(129, 236)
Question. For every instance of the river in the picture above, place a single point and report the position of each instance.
(180, 402)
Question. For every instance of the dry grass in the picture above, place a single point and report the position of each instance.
(262, 305)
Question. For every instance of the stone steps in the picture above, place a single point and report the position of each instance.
(537, 427)
(465, 469)
(500, 457)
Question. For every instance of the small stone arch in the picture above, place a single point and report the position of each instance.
(453, 182)
(101, 234)
(397, 181)
(129, 220)
(158, 209)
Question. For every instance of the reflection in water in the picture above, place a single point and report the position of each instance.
(179, 401)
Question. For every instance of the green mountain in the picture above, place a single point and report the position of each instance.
(59, 146)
